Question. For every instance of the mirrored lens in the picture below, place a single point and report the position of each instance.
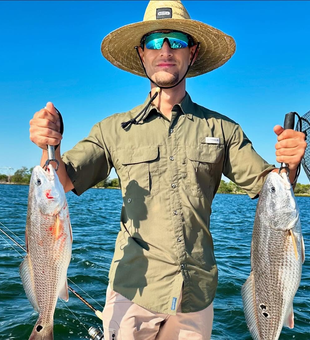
(176, 40)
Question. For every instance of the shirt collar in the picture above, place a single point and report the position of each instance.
(186, 107)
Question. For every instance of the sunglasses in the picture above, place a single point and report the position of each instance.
(176, 40)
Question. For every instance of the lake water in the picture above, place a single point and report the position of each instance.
(95, 222)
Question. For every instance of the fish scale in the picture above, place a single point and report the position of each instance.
(49, 245)
(277, 254)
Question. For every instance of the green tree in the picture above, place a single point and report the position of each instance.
(103, 184)
(302, 189)
(21, 176)
(115, 183)
(229, 188)
(4, 178)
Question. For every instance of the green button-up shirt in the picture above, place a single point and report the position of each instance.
(169, 173)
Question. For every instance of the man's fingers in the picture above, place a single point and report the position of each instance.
(291, 134)
(44, 132)
(45, 127)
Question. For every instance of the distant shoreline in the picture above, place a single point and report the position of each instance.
(113, 188)
(6, 183)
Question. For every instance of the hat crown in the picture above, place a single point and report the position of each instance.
(163, 9)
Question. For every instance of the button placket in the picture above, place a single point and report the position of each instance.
(176, 208)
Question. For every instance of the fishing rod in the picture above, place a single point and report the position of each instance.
(303, 125)
(95, 333)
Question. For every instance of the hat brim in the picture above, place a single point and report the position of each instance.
(216, 47)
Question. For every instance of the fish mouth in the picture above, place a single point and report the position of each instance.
(285, 180)
(48, 173)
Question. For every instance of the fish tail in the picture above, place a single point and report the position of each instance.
(42, 331)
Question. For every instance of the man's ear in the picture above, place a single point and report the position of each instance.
(141, 53)
(192, 51)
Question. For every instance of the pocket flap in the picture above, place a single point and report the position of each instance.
(139, 155)
(206, 153)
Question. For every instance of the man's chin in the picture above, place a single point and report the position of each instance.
(166, 79)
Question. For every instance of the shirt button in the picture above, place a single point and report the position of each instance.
(179, 239)
(182, 266)
(171, 158)
(175, 212)
(171, 130)
(129, 200)
(173, 185)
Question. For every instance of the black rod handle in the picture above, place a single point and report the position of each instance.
(289, 121)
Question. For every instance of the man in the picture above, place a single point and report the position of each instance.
(169, 154)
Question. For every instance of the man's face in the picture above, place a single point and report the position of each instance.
(166, 66)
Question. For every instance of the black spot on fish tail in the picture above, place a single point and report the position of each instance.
(39, 328)
(264, 310)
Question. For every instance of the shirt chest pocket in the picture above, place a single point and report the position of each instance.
(138, 170)
(204, 167)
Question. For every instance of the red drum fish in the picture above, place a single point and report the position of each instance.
(277, 255)
(49, 244)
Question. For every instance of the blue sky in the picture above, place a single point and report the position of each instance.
(50, 51)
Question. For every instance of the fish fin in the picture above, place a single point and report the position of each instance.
(249, 307)
(26, 239)
(70, 229)
(303, 250)
(289, 319)
(25, 270)
(64, 293)
(294, 243)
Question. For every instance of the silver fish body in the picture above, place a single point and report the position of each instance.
(49, 244)
(277, 254)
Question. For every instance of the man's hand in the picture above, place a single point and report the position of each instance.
(45, 127)
(290, 147)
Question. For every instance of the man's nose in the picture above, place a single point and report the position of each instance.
(166, 47)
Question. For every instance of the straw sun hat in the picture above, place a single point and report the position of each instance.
(216, 47)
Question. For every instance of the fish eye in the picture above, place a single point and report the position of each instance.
(272, 190)
(38, 182)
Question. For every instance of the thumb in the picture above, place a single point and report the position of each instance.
(51, 108)
(278, 130)
(55, 116)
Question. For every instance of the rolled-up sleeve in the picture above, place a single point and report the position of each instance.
(88, 162)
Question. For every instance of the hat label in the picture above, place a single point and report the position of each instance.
(163, 13)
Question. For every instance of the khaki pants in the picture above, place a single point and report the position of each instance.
(124, 320)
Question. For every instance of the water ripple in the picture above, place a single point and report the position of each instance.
(95, 222)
